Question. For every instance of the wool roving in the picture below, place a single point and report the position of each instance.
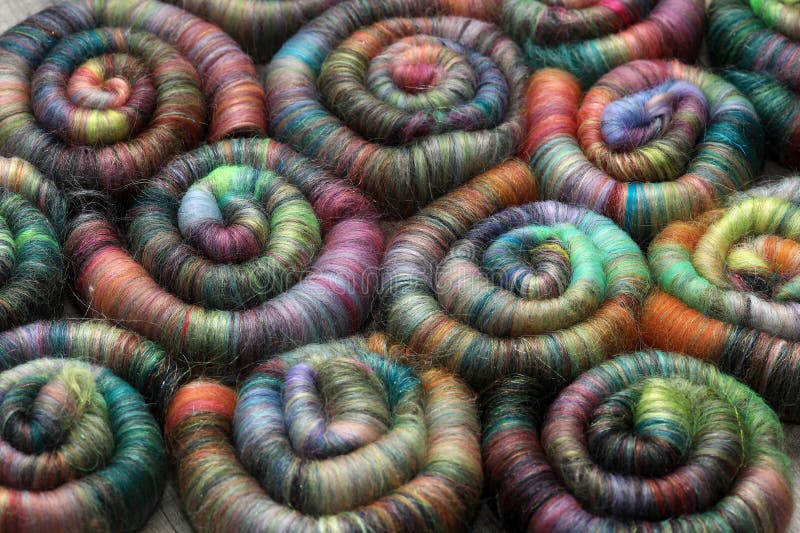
(727, 291)
(259, 26)
(649, 143)
(329, 437)
(405, 104)
(81, 450)
(544, 289)
(758, 41)
(589, 38)
(235, 251)
(650, 441)
(103, 92)
(33, 215)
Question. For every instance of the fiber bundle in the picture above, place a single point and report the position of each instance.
(650, 441)
(259, 26)
(81, 450)
(405, 105)
(235, 251)
(728, 291)
(33, 216)
(649, 143)
(544, 289)
(758, 41)
(332, 437)
(588, 38)
(104, 92)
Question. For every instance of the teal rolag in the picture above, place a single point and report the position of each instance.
(82, 449)
(758, 43)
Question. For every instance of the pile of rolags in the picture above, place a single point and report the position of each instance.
(400, 265)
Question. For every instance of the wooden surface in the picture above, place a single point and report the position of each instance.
(169, 516)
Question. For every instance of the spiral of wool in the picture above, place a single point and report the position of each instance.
(544, 289)
(729, 291)
(649, 143)
(329, 437)
(103, 92)
(33, 219)
(758, 42)
(235, 251)
(588, 38)
(405, 104)
(650, 441)
(81, 450)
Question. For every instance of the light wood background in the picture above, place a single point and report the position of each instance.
(170, 518)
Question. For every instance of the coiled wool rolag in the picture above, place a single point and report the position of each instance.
(402, 99)
(81, 450)
(588, 38)
(335, 436)
(104, 92)
(33, 219)
(650, 441)
(649, 143)
(544, 289)
(758, 42)
(728, 291)
(235, 251)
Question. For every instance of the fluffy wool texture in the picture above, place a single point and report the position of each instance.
(33, 216)
(334, 437)
(103, 92)
(589, 38)
(81, 449)
(235, 251)
(649, 143)
(729, 291)
(259, 26)
(758, 42)
(650, 441)
(403, 105)
(544, 289)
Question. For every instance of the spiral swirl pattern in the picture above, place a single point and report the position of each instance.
(33, 216)
(759, 41)
(650, 441)
(589, 37)
(336, 436)
(728, 291)
(104, 92)
(407, 108)
(238, 250)
(81, 450)
(544, 289)
(649, 143)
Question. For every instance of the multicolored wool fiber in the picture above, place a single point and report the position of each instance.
(650, 441)
(589, 37)
(235, 251)
(649, 143)
(334, 437)
(102, 93)
(81, 449)
(544, 289)
(33, 219)
(759, 42)
(728, 291)
(404, 104)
